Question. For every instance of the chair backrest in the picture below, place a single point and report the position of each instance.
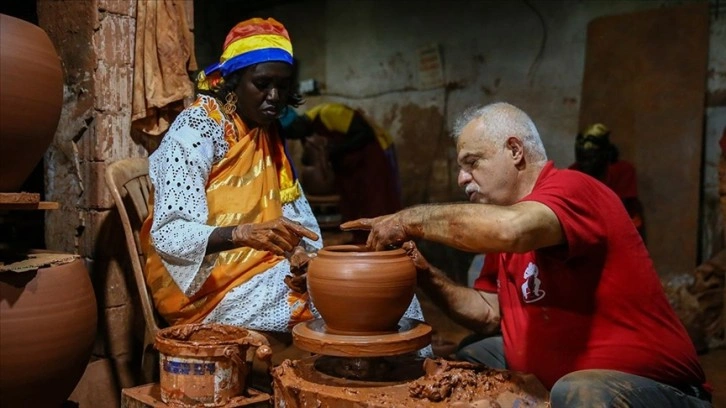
(130, 186)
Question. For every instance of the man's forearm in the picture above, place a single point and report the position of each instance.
(468, 227)
(475, 310)
(483, 228)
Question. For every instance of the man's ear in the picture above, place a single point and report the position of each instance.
(516, 149)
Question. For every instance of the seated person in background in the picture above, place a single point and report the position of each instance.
(566, 275)
(360, 154)
(596, 156)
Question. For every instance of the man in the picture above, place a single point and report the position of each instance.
(361, 157)
(566, 274)
(597, 156)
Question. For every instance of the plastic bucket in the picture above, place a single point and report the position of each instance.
(206, 364)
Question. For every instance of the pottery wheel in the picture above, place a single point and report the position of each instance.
(379, 369)
(312, 336)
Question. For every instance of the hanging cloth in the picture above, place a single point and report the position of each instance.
(163, 57)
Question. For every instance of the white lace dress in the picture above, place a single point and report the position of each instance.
(179, 169)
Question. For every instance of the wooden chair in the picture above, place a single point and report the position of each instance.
(130, 186)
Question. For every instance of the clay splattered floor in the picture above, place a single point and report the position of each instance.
(446, 332)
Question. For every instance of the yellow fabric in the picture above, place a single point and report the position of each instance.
(256, 42)
(337, 118)
(246, 186)
(384, 138)
(204, 84)
(597, 130)
(334, 116)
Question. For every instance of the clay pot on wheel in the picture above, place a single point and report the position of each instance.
(361, 292)
(31, 98)
(47, 328)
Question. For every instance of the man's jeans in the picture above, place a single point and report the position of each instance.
(592, 388)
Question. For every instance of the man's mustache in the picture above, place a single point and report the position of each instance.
(471, 188)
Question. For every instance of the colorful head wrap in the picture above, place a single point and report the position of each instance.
(250, 42)
(595, 136)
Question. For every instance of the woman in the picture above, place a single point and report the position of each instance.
(228, 211)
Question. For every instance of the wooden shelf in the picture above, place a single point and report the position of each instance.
(25, 201)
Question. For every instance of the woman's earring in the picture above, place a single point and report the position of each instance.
(230, 106)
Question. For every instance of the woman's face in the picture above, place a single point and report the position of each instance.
(263, 92)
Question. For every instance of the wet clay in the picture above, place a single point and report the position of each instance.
(206, 364)
(313, 336)
(358, 291)
(444, 384)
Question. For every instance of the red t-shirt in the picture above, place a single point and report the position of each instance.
(594, 303)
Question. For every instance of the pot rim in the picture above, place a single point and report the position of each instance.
(182, 347)
(358, 251)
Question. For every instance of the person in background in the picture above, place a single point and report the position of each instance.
(361, 157)
(231, 232)
(564, 278)
(597, 156)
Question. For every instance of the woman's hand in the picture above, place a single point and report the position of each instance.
(278, 236)
(299, 260)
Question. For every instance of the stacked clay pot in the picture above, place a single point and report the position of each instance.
(47, 329)
(31, 99)
(360, 292)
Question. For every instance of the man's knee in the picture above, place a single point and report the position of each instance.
(590, 388)
(574, 389)
(488, 351)
(467, 353)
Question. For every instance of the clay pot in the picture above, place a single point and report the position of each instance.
(47, 329)
(31, 98)
(361, 292)
(206, 365)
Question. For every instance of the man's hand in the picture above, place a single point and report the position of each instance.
(278, 236)
(419, 261)
(385, 231)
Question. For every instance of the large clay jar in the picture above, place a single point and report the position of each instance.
(361, 292)
(31, 99)
(47, 329)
